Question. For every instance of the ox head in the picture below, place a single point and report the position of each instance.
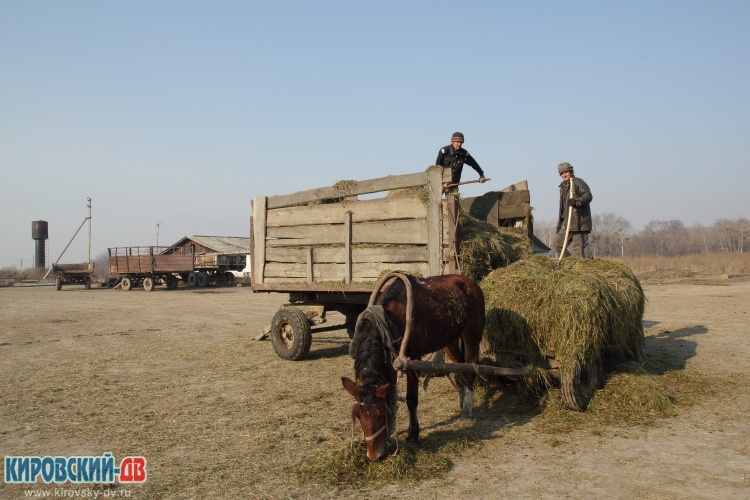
(373, 411)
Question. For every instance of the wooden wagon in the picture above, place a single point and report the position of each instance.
(327, 247)
(150, 266)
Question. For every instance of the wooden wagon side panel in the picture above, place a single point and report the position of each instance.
(350, 240)
(173, 263)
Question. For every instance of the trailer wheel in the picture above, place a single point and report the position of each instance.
(58, 283)
(639, 344)
(580, 382)
(290, 334)
(202, 279)
(192, 279)
(87, 282)
(148, 283)
(171, 282)
(126, 284)
(351, 321)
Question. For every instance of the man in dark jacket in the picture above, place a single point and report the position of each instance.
(454, 157)
(580, 220)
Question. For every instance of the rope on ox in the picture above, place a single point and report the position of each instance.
(409, 310)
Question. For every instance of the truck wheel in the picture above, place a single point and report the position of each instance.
(126, 284)
(87, 282)
(580, 382)
(290, 334)
(58, 283)
(202, 279)
(192, 279)
(228, 278)
(148, 283)
(171, 282)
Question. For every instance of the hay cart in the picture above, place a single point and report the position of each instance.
(150, 266)
(328, 248)
(69, 274)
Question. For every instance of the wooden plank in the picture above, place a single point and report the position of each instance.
(434, 220)
(259, 239)
(336, 272)
(348, 248)
(309, 258)
(335, 213)
(173, 263)
(397, 232)
(514, 197)
(363, 187)
(417, 253)
(518, 186)
(430, 367)
(285, 286)
(513, 211)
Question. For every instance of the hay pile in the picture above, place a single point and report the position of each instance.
(537, 309)
(484, 248)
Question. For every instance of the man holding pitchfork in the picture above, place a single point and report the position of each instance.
(574, 217)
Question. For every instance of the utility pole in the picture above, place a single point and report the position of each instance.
(158, 225)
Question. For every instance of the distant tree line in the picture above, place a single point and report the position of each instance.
(613, 236)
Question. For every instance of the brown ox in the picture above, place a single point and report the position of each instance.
(448, 313)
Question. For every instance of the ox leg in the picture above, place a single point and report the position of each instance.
(412, 401)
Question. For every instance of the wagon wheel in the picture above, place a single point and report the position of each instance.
(202, 279)
(639, 344)
(580, 382)
(58, 283)
(290, 334)
(126, 284)
(87, 282)
(148, 283)
(351, 321)
(171, 282)
(192, 279)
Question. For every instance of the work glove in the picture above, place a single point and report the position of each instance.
(571, 202)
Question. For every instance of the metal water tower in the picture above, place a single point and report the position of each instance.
(39, 234)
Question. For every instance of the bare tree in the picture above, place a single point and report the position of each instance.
(545, 231)
(610, 234)
(101, 264)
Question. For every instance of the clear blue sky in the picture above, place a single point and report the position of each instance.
(181, 112)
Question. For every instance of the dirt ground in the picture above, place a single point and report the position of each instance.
(178, 378)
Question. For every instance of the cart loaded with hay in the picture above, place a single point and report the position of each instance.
(328, 247)
(547, 321)
(560, 319)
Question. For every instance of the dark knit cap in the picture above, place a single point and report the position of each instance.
(457, 136)
(564, 167)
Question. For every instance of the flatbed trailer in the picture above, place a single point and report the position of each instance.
(150, 266)
(68, 274)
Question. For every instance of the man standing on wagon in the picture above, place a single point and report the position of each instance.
(575, 203)
(454, 156)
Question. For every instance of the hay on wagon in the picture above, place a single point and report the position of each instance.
(538, 310)
(484, 247)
